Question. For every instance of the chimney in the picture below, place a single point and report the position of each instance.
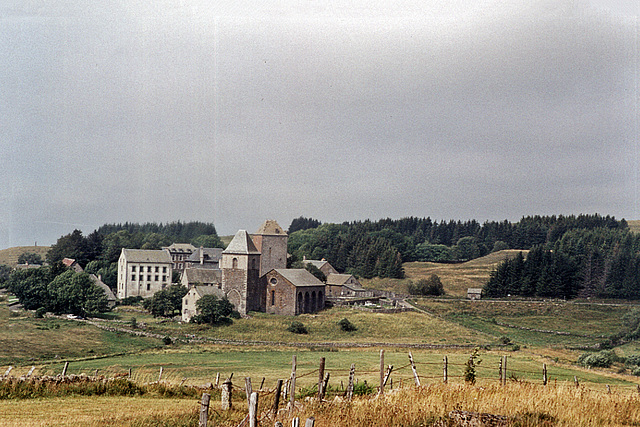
(201, 255)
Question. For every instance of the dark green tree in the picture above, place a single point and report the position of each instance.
(30, 258)
(167, 302)
(213, 310)
(75, 293)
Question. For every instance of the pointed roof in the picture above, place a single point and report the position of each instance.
(241, 244)
(299, 277)
(147, 255)
(270, 226)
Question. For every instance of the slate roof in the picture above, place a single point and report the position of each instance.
(316, 263)
(341, 279)
(241, 244)
(203, 275)
(107, 290)
(299, 277)
(147, 255)
(209, 290)
(210, 255)
(180, 247)
(270, 226)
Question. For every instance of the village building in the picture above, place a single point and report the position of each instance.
(72, 264)
(201, 276)
(204, 258)
(474, 293)
(293, 291)
(143, 272)
(111, 298)
(345, 285)
(189, 308)
(271, 241)
(179, 253)
(322, 265)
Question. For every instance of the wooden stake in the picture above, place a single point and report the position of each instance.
(129, 373)
(413, 368)
(445, 369)
(545, 379)
(253, 410)
(225, 397)
(320, 378)
(352, 374)
(504, 370)
(276, 399)
(217, 379)
(387, 375)
(325, 383)
(8, 370)
(160, 376)
(248, 389)
(292, 385)
(64, 370)
(310, 422)
(575, 380)
(33, 368)
(608, 389)
(381, 389)
(295, 422)
(262, 384)
(204, 410)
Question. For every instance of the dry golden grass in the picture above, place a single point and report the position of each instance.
(10, 256)
(528, 404)
(634, 225)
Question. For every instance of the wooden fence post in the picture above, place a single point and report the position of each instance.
(387, 375)
(504, 370)
(64, 370)
(217, 379)
(352, 374)
(160, 375)
(413, 368)
(608, 389)
(381, 390)
(248, 389)
(445, 370)
(310, 422)
(262, 383)
(253, 410)
(545, 379)
(320, 378)
(225, 397)
(204, 410)
(500, 371)
(33, 368)
(292, 384)
(575, 380)
(7, 372)
(295, 422)
(129, 373)
(276, 399)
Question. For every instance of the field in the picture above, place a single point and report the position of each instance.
(10, 256)
(554, 333)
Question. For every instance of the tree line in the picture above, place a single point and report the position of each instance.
(378, 248)
(600, 262)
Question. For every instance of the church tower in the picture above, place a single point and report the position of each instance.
(240, 265)
(271, 241)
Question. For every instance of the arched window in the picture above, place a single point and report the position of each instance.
(234, 263)
(273, 297)
(253, 264)
(300, 307)
(307, 308)
(313, 301)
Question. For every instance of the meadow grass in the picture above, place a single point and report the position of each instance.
(10, 256)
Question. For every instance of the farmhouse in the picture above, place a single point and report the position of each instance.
(204, 258)
(345, 285)
(143, 272)
(193, 295)
(293, 291)
(322, 265)
(201, 276)
(179, 253)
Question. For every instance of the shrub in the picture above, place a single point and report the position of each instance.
(633, 360)
(166, 340)
(40, 312)
(297, 327)
(470, 368)
(636, 371)
(431, 286)
(504, 340)
(601, 359)
(347, 326)
(362, 388)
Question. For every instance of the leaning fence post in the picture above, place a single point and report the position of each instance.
(352, 374)
(7, 372)
(320, 378)
(545, 379)
(248, 389)
(253, 410)
(292, 384)
(262, 383)
(217, 379)
(226, 394)
(33, 368)
(413, 368)
(276, 399)
(445, 369)
(310, 422)
(381, 390)
(204, 410)
(387, 375)
(64, 370)
(575, 380)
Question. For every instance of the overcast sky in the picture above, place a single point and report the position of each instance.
(235, 112)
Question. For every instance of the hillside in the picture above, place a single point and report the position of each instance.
(10, 256)
(634, 225)
(456, 278)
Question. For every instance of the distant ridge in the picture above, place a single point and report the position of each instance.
(10, 256)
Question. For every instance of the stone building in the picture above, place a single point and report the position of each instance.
(240, 265)
(143, 272)
(189, 301)
(201, 276)
(204, 258)
(179, 253)
(345, 285)
(293, 291)
(271, 241)
(322, 265)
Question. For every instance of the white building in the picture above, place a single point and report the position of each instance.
(143, 272)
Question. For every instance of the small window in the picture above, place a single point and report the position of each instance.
(133, 277)
(149, 269)
(149, 277)
(156, 277)
(133, 268)
(186, 302)
(164, 269)
(273, 281)
(164, 278)
(273, 297)
(141, 278)
(234, 263)
(157, 269)
(148, 286)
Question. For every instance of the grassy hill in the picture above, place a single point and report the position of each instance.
(634, 225)
(456, 278)
(10, 256)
